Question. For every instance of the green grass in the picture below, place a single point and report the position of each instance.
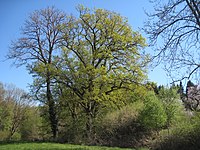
(54, 146)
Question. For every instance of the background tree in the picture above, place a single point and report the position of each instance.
(101, 58)
(17, 101)
(152, 86)
(153, 116)
(181, 91)
(192, 97)
(14, 106)
(172, 105)
(36, 49)
(4, 114)
(31, 126)
(173, 29)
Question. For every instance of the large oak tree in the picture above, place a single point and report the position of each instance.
(101, 57)
(95, 56)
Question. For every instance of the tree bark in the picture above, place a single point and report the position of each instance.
(52, 112)
(90, 126)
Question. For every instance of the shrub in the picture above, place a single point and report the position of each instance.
(133, 125)
(4, 135)
(121, 127)
(185, 135)
(172, 105)
(153, 115)
(123, 116)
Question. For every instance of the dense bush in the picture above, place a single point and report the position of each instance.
(31, 126)
(134, 125)
(172, 105)
(153, 116)
(121, 127)
(185, 135)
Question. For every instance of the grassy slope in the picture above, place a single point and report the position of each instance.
(53, 146)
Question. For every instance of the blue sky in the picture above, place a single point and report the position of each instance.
(14, 12)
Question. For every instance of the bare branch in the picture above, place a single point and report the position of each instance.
(174, 33)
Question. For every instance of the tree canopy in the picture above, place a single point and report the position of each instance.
(90, 75)
(94, 56)
(41, 37)
(100, 56)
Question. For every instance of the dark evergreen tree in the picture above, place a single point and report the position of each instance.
(189, 84)
(181, 90)
(160, 87)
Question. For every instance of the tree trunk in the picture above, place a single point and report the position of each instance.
(52, 111)
(89, 126)
(90, 122)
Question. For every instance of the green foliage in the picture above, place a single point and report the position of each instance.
(153, 115)
(30, 128)
(184, 136)
(4, 135)
(123, 128)
(15, 137)
(94, 63)
(18, 120)
(172, 105)
(122, 118)
(88, 72)
(182, 126)
(101, 59)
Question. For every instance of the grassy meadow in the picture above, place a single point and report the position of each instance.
(55, 146)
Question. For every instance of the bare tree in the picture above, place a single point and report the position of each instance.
(37, 48)
(173, 30)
